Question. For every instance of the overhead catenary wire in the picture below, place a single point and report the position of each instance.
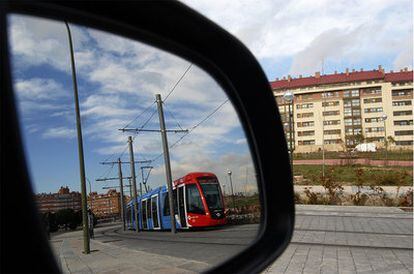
(152, 114)
(178, 82)
(170, 113)
(193, 128)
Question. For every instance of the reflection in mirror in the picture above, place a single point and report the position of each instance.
(137, 104)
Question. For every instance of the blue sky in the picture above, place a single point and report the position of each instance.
(118, 78)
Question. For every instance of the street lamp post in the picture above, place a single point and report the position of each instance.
(384, 118)
(86, 241)
(231, 186)
(288, 97)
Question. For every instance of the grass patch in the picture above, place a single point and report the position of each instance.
(381, 176)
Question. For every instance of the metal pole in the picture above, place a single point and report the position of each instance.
(142, 182)
(386, 143)
(134, 182)
(86, 244)
(121, 185)
(323, 137)
(290, 135)
(130, 188)
(90, 192)
(232, 192)
(166, 161)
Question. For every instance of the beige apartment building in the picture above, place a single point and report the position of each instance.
(337, 111)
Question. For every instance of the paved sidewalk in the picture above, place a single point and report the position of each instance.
(108, 258)
(348, 239)
(327, 239)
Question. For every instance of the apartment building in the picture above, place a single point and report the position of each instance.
(337, 111)
(63, 199)
(106, 205)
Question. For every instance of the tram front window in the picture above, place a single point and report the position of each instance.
(194, 203)
(212, 194)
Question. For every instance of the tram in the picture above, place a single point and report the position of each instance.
(198, 202)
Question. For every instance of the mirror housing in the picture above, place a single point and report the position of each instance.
(173, 27)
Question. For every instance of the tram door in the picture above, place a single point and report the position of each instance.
(181, 206)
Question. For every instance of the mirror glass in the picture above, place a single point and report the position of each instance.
(129, 93)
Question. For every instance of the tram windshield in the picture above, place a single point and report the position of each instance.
(212, 193)
(194, 203)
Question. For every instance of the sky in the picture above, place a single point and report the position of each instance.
(118, 79)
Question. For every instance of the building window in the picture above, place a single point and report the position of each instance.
(403, 132)
(304, 106)
(373, 120)
(332, 141)
(351, 93)
(306, 124)
(306, 133)
(330, 94)
(374, 129)
(402, 103)
(403, 122)
(332, 131)
(330, 104)
(332, 122)
(348, 111)
(404, 143)
(402, 92)
(357, 131)
(306, 142)
(372, 110)
(331, 113)
(372, 100)
(355, 102)
(305, 115)
(371, 91)
(305, 96)
(357, 122)
(348, 122)
(403, 112)
(356, 112)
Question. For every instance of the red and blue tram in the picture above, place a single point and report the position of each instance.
(198, 202)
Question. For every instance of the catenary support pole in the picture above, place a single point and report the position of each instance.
(166, 161)
(121, 186)
(86, 244)
(134, 182)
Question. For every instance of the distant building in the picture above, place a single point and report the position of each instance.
(63, 199)
(340, 110)
(106, 205)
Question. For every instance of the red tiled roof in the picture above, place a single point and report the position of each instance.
(343, 78)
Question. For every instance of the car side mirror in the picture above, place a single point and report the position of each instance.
(175, 28)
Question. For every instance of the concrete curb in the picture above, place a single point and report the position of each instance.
(63, 266)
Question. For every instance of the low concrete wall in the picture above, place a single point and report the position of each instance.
(360, 161)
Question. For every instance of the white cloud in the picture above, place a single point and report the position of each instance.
(39, 89)
(311, 30)
(59, 132)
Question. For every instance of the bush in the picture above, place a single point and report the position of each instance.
(406, 199)
(68, 218)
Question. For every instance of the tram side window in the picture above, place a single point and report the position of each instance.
(128, 215)
(175, 202)
(154, 210)
(149, 208)
(144, 213)
(194, 203)
(166, 211)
